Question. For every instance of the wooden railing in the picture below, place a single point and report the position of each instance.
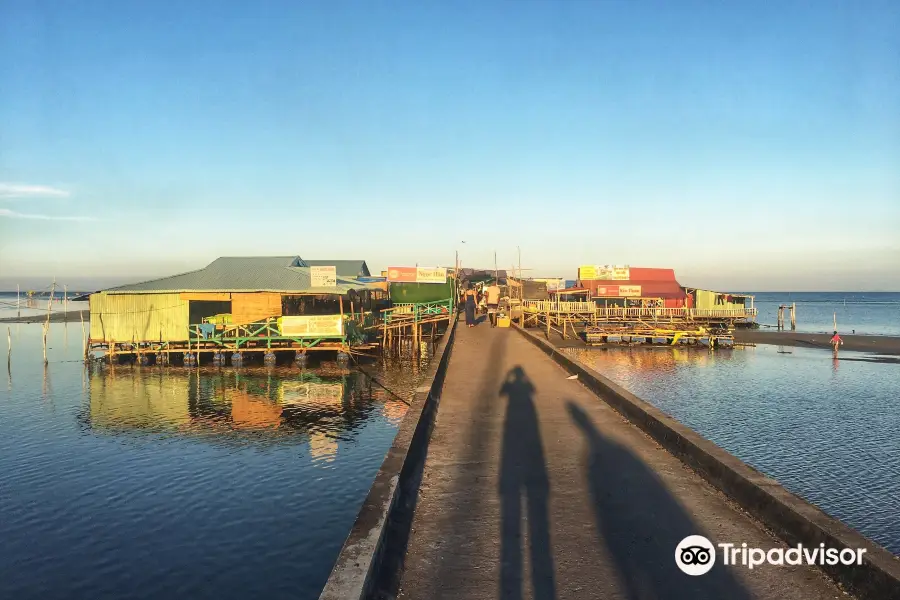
(572, 307)
(687, 313)
(541, 306)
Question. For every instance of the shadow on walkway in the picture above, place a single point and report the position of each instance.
(523, 478)
(641, 524)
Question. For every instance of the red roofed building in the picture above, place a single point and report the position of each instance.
(643, 285)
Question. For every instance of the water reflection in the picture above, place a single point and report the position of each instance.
(259, 405)
(823, 427)
(653, 359)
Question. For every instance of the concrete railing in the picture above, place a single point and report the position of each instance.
(360, 562)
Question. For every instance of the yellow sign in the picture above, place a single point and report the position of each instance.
(587, 272)
(629, 290)
(425, 275)
(603, 273)
(312, 326)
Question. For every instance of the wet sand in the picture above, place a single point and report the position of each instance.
(72, 316)
(874, 344)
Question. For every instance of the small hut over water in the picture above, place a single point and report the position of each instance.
(238, 303)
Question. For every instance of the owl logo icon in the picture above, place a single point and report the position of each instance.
(695, 555)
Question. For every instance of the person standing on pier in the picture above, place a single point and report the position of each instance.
(493, 301)
(835, 342)
(470, 306)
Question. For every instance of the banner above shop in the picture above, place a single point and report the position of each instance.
(323, 276)
(417, 275)
(604, 273)
(618, 291)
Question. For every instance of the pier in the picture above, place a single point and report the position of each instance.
(531, 483)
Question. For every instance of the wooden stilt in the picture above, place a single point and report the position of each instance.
(793, 316)
(84, 340)
(548, 319)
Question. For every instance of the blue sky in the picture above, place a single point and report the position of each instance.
(747, 146)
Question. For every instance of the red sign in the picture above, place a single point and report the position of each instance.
(607, 290)
(402, 274)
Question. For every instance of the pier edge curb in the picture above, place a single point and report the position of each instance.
(788, 516)
(356, 568)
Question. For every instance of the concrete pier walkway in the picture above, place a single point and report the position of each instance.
(534, 488)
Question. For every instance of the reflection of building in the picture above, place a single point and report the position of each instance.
(226, 404)
(322, 446)
(252, 412)
(291, 393)
(394, 411)
(131, 400)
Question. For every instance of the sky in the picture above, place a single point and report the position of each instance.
(747, 146)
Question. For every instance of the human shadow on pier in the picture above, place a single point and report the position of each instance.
(523, 476)
(641, 524)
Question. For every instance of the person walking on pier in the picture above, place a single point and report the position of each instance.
(493, 301)
(470, 306)
(835, 342)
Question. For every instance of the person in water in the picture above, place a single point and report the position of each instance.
(470, 306)
(836, 341)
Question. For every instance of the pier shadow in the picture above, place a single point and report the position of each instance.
(641, 524)
(524, 480)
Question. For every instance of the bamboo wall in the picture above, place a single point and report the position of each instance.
(142, 317)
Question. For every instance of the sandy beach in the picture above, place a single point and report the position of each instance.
(875, 344)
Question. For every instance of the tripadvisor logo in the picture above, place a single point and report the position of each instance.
(696, 555)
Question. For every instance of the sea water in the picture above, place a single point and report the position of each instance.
(145, 482)
(826, 429)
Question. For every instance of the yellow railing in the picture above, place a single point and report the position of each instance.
(554, 306)
(542, 306)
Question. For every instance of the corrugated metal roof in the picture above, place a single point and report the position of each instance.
(344, 268)
(244, 274)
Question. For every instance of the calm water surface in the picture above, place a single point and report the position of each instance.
(827, 430)
(871, 313)
(161, 483)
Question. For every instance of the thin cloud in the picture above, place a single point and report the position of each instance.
(9, 214)
(23, 190)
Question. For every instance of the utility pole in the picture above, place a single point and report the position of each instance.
(495, 265)
(519, 250)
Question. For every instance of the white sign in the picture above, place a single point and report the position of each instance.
(323, 276)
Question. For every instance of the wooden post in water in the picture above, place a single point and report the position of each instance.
(835, 320)
(111, 349)
(18, 303)
(84, 341)
(793, 316)
(780, 325)
(9, 349)
(65, 297)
